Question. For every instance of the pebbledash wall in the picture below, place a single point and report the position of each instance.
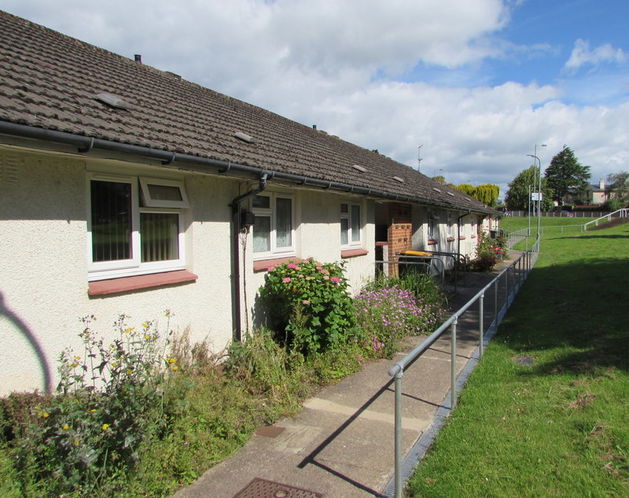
(44, 267)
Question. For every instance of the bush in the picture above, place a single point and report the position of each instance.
(489, 251)
(389, 309)
(308, 306)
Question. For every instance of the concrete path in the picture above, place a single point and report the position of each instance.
(341, 443)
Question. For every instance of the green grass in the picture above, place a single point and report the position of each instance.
(560, 426)
(511, 224)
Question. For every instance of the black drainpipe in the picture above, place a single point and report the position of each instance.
(235, 230)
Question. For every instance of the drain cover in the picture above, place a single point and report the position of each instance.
(526, 361)
(261, 488)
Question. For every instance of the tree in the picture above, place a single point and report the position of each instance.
(487, 194)
(517, 195)
(566, 176)
(618, 185)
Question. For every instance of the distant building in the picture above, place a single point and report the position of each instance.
(600, 193)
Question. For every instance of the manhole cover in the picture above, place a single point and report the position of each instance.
(526, 361)
(261, 488)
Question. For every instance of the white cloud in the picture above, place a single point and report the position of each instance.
(582, 55)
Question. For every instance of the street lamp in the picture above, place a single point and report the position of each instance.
(538, 194)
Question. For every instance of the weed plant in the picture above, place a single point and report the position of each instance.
(108, 403)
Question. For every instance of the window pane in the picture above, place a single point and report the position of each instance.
(355, 223)
(261, 201)
(344, 208)
(160, 236)
(344, 231)
(283, 222)
(262, 234)
(111, 220)
(164, 192)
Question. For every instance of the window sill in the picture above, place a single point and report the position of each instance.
(461, 237)
(127, 284)
(431, 242)
(352, 253)
(268, 264)
(450, 239)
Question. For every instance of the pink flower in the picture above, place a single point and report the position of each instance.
(324, 271)
(336, 280)
(360, 358)
(286, 280)
(292, 266)
(325, 277)
(306, 302)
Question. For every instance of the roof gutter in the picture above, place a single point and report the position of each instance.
(86, 144)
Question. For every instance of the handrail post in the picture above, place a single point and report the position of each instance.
(398, 434)
(453, 365)
(507, 287)
(481, 319)
(496, 301)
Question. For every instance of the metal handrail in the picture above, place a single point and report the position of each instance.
(523, 265)
(622, 213)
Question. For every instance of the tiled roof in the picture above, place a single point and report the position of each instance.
(50, 81)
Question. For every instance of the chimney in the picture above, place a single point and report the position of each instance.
(314, 127)
(601, 184)
(138, 58)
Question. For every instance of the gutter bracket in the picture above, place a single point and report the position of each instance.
(226, 169)
(88, 147)
(171, 160)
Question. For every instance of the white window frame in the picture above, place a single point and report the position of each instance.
(349, 217)
(150, 202)
(431, 225)
(134, 266)
(451, 224)
(271, 212)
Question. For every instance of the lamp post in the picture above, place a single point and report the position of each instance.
(538, 194)
(539, 183)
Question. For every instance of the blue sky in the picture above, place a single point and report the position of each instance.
(476, 83)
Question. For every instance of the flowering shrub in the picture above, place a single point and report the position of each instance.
(108, 403)
(488, 252)
(308, 306)
(388, 314)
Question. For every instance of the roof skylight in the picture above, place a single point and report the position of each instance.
(436, 189)
(360, 168)
(112, 100)
(398, 179)
(244, 137)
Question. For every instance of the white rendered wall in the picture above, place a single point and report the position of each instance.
(43, 270)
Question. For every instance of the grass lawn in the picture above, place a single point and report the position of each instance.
(547, 411)
(513, 223)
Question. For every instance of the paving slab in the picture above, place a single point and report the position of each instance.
(341, 442)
